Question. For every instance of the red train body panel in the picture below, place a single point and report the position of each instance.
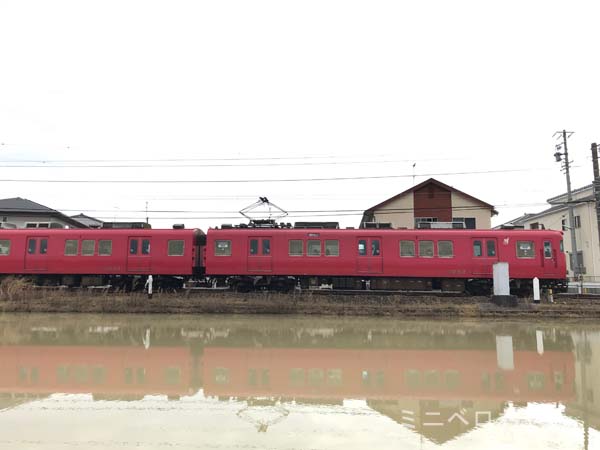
(377, 253)
(284, 252)
(130, 252)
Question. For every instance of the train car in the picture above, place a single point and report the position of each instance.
(95, 257)
(383, 259)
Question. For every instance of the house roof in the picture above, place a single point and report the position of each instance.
(437, 183)
(21, 206)
(563, 196)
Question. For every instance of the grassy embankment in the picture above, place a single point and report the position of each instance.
(19, 296)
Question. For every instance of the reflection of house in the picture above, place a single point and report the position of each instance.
(586, 407)
(427, 203)
(585, 227)
(22, 213)
(439, 421)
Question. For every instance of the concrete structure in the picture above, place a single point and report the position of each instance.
(431, 201)
(22, 213)
(586, 228)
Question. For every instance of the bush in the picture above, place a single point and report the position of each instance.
(12, 288)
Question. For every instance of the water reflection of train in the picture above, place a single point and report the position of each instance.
(502, 372)
(410, 373)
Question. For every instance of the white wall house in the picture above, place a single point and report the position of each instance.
(585, 228)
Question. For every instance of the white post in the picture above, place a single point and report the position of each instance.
(505, 356)
(501, 279)
(539, 338)
(149, 286)
(536, 290)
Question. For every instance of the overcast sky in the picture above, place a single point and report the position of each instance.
(209, 90)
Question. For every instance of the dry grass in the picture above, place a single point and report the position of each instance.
(13, 289)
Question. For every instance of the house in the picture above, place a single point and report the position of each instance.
(22, 213)
(585, 227)
(429, 202)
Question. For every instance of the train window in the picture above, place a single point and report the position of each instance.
(525, 249)
(313, 248)
(87, 247)
(296, 247)
(31, 245)
(105, 248)
(362, 247)
(253, 246)
(445, 249)
(477, 251)
(266, 247)
(491, 248)
(547, 249)
(176, 247)
(562, 246)
(375, 247)
(426, 249)
(332, 248)
(43, 246)
(145, 246)
(407, 248)
(71, 246)
(222, 248)
(133, 247)
(4, 247)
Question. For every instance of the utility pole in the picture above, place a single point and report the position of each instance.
(596, 184)
(565, 135)
(147, 212)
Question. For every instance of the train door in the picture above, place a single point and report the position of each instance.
(36, 257)
(485, 255)
(139, 259)
(369, 258)
(548, 257)
(259, 254)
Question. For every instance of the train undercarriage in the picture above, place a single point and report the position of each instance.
(161, 283)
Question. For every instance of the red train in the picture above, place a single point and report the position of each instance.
(283, 258)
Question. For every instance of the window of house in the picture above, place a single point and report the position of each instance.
(145, 246)
(223, 248)
(445, 249)
(31, 225)
(44, 225)
(4, 247)
(563, 223)
(295, 247)
(313, 248)
(105, 248)
(477, 248)
(253, 246)
(71, 247)
(88, 247)
(426, 249)
(407, 248)
(332, 248)
(547, 249)
(43, 246)
(491, 248)
(175, 247)
(577, 222)
(525, 249)
(31, 245)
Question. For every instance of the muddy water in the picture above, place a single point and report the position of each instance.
(230, 382)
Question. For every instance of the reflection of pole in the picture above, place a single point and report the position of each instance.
(586, 426)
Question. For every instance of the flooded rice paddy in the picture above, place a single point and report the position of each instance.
(261, 382)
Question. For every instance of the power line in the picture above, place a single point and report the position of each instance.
(282, 180)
